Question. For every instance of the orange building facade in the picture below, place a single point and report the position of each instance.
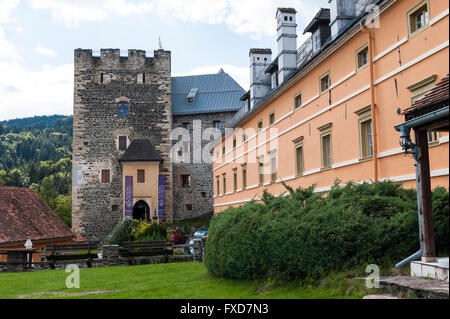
(334, 117)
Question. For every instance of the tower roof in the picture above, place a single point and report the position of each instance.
(141, 150)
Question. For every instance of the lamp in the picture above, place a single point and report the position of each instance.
(406, 143)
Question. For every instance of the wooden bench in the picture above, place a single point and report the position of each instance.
(71, 252)
(146, 248)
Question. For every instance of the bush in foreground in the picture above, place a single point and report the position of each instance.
(122, 232)
(305, 234)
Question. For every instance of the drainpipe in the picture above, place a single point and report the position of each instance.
(418, 254)
(372, 102)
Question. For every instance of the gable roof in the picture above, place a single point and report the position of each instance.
(24, 215)
(323, 16)
(140, 150)
(213, 93)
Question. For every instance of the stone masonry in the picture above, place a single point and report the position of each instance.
(200, 193)
(97, 207)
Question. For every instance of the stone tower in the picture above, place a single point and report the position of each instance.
(117, 100)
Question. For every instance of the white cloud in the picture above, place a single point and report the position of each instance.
(6, 8)
(27, 93)
(71, 12)
(7, 49)
(256, 18)
(240, 74)
(241, 16)
(44, 51)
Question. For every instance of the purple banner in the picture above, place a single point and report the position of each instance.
(162, 196)
(129, 196)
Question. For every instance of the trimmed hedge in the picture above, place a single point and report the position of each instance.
(122, 232)
(305, 234)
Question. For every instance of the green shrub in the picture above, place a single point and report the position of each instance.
(122, 232)
(149, 231)
(305, 234)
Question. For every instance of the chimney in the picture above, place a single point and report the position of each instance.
(341, 13)
(287, 42)
(260, 82)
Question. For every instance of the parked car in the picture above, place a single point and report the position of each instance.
(198, 235)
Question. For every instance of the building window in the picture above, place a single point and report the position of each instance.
(244, 176)
(299, 166)
(298, 100)
(325, 145)
(362, 57)
(419, 89)
(223, 150)
(123, 109)
(418, 18)
(122, 143)
(188, 207)
(243, 137)
(234, 142)
(272, 118)
(273, 166)
(187, 126)
(224, 181)
(217, 125)
(324, 82)
(141, 176)
(185, 180)
(261, 170)
(433, 137)
(260, 126)
(235, 179)
(365, 132)
(102, 78)
(106, 178)
(316, 41)
(218, 185)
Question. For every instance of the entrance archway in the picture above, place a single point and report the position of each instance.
(141, 210)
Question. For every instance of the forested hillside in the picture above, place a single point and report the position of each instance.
(37, 153)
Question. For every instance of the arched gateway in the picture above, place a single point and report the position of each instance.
(141, 211)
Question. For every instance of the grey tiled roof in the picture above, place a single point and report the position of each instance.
(216, 93)
(141, 150)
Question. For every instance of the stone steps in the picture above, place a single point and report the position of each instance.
(414, 287)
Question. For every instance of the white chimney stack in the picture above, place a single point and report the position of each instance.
(260, 82)
(287, 42)
(341, 13)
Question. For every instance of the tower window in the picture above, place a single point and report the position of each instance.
(106, 178)
(188, 207)
(123, 109)
(122, 143)
(141, 176)
(217, 125)
(102, 77)
(185, 180)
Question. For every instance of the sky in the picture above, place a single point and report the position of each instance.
(37, 39)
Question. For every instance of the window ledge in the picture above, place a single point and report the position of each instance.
(417, 32)
(326, 168)
(365, 159)
(434, 143)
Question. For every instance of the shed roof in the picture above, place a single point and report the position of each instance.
(24, 215)
(215, 93)
(140, 150)
(435, 97)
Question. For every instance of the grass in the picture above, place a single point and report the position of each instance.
(172, 281)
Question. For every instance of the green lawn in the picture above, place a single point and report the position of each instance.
(171, 281)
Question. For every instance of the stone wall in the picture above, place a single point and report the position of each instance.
(200, 193)
(97, 207)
